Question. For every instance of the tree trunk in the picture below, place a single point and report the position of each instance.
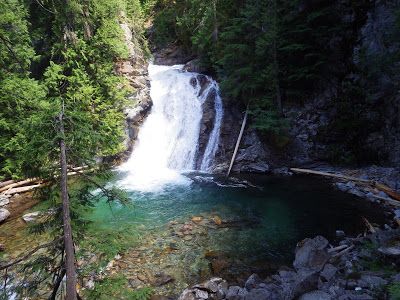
(68, 242)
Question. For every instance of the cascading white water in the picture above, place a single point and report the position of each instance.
(168, 139)
(213, 141)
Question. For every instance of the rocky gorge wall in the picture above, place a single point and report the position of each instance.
(134, 69)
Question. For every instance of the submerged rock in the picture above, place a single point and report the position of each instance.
(197, 219)
(162, 279)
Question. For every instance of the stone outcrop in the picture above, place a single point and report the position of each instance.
(172, 54)
(134, 69)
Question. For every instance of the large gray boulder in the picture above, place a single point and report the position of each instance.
(311, 254)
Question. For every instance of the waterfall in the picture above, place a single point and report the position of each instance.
(213, 141)
(168, 139)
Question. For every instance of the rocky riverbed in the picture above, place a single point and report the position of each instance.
(365, 267)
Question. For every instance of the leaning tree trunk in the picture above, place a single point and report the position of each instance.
(68, 242)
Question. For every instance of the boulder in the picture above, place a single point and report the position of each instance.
(162, 279)
(311, 254)
(236, 293)
(187, 294)
(4, 214)
(4, 200)
(328, 272)
(252, 282)
(315, 295)
(260, 294)
(340, 234)
(391, 250)
(194, 65)
(371, 282)
(201, 294)
(305, 282)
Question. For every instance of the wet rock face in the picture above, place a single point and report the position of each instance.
(172, 54)
(208, 118)
(252, 155)
(194, 66)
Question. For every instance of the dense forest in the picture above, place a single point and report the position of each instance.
(63, 101)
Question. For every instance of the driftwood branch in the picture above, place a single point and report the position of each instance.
(369, 225)
(338, 248)
(30, 253)
(238, 142)
(343, 251)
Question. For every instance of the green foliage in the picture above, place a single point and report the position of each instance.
(117, 288)
(394, 291)
(16, 50)
(78, 76)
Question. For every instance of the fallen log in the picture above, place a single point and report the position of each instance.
(338, 248)
(21, 186)
(22, 189)
(339, 176)
(343, 251)
(387, 190)
(373, 183)
(7, 182)
(19, 183)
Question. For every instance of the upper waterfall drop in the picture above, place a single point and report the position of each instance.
(167, 142)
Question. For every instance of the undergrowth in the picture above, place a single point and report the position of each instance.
(116, 288)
